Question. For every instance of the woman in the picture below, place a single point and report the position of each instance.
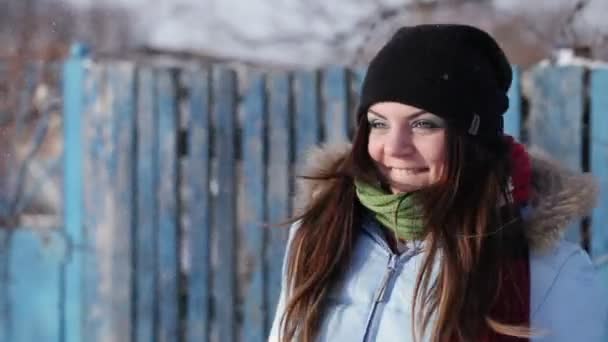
(434, 225)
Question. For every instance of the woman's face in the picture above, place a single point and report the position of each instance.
(407, 145)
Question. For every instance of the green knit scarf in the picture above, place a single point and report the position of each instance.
(395, 211)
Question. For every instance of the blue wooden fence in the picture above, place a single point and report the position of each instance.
(172, 172)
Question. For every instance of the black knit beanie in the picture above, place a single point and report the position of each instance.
(457, 72)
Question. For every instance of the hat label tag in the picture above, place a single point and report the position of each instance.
(474, 128)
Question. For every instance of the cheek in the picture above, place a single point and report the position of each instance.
(437, 169)
(374, 148)
(434, 153)
(435, 157)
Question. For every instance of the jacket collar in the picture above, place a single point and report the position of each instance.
(560, 196)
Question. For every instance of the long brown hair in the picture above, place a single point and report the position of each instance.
(468, 243)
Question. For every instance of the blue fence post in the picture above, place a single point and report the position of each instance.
(598, 124)
(599, 167)
(556, 118)
(306, 113)
(146, 229)
(198, 170)
(513, 116)
(73, 104)
(277, 187)
(5, 323)
(167, 206)
(254, 310)
(335, 108)
(225, 225)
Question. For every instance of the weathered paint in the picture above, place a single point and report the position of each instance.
(254, 311)
(5, 317)
(34, 288)
(598, 126)
(336, 114)
(109, 292)
(167, 198)
(277, 190)
(199, 211)
(306, 115)
(122, 79)
(146, 227)
(108, 166)
(556, 118)
(224, 225)
(73, 89)
(356, 77)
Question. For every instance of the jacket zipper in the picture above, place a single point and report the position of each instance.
(382, 292)
(380, 295)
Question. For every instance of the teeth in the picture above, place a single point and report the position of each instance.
(408, 171)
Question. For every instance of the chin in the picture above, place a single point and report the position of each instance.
(400, 188)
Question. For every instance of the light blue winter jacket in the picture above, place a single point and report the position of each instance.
(373, 299)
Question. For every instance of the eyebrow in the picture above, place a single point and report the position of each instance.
(411, 116)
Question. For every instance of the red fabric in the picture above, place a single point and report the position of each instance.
(522, 171)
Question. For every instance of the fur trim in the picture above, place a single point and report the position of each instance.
(319, 160)
(559, 197)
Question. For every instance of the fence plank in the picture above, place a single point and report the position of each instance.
(306, 115)
(74, 88)
(224, 96)
(122, 78)
(513, 115)
(168, 325)
(5, 318)
(335, 115)
(255, 319)
(146, 228)
(35, 285)
(599, 167)
(356, 81)
(277, 190)
(358, 75)
(108, 166)
(556, 106)
(555, 122)
(96, 199)
(198, 208)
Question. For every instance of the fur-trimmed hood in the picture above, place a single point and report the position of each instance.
(560, 195)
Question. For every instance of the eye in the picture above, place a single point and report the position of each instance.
(374, 124)
(425, 124)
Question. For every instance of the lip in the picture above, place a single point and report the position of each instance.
(407, 168)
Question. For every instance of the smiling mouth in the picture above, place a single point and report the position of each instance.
(409, 171)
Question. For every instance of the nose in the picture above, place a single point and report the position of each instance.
(399, 143)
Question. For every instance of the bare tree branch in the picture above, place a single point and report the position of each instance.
(380, 13)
